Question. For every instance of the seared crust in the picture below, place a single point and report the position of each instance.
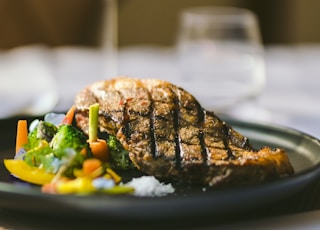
(169, 135)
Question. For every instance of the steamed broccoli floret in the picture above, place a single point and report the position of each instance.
(46, 131)
(74, 162)
(68, 145)
(43, 131)
(42, 155)
(70, 137)
(119, 157)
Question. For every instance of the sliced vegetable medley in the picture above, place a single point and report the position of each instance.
(62, 159)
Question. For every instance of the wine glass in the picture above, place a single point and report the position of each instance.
(220, 56)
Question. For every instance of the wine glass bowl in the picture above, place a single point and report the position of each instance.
(220, 55)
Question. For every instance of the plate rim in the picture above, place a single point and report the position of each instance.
(304, 177)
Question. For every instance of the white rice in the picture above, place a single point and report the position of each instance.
(150, 186)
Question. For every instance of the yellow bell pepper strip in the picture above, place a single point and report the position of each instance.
(99, 147)
(114, 175)
(22, 134)
(80, 185)
(119, 189)
(25, 172)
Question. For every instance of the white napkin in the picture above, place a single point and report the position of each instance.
(27, 84)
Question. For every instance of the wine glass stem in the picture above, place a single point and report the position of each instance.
(110, 37)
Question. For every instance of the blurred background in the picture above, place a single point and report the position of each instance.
(57, 36)
(78, 22)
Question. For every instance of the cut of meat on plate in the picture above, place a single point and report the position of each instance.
(170, 136)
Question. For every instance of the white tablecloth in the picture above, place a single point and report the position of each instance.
(290, 97)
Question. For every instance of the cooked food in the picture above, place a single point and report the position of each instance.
(170, 136)
(56, 155)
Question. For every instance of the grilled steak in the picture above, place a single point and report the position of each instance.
(169, 135)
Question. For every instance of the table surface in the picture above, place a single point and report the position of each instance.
(290, 99)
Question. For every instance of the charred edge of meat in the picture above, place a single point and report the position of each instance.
(232, 136)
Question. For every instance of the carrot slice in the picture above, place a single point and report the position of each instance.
(69, 116)
(99, 149)
(22, 134)
(90, 165)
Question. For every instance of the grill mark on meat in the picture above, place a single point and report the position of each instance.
(226, 136)
(126, 126)
(165, 121)
(153, 144)
(191, 130)
(177, 140)
(204, 149)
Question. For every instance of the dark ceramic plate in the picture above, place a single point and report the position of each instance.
(303, 150)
